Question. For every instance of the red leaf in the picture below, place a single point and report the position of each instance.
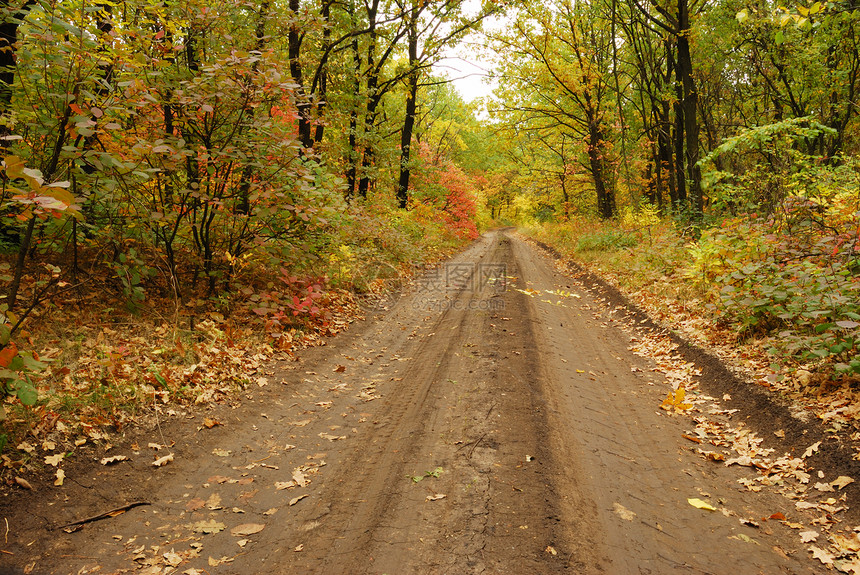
(8, 353)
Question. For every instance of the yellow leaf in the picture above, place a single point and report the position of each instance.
(699, 504)
(14, 166)
(58, 193)
(675, 399)
(841, 481)
(162, 461)
(295, 500)
(54, 459)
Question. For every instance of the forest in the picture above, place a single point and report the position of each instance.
(191, 188)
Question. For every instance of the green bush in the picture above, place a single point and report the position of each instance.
(605, 241)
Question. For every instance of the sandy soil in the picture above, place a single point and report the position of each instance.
(477, 426)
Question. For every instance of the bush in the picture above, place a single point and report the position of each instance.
(605, 241)
(793, 275)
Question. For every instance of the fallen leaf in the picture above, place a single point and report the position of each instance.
(113, 459)
(747, 538)
(744, 460)
(284, 485)
(221, 452)
(209, 423)
(340, 369)
(301, 423)
(161, 461)
(551, 550)
(262, 381)
(61, 475)
(172, 558)
(214, 502)
(845, 545)
(331, 437)
(54, 459)
(623, 512)
(295, 500)
(780, 433)
(777, 517)
(808, 536)
(823, 487)
(675, 399)
(23, 482)
(821, 555)
(712, 455)
(841, 481)
(208, 526)
(811, 449)
(195, 504)
(699, 504)
(435, 497)
(271, 511)
(242, 542)
(300, 478)
(247, 529)
(299, 547)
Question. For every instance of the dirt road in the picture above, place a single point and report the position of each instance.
(493, 421)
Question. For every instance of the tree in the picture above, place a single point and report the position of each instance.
(554, 71)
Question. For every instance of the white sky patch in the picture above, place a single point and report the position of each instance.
(468, 65)
(470, 76)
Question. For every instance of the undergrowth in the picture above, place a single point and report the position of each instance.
(786, 282)
(105, 364)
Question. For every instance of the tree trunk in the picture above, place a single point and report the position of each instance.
(8, 62)
(605, 195)
(373, 99)
(325, 12)
(411, 104)
(690, 104)
(294, 49)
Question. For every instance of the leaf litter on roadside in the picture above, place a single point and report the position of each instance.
(787, 474)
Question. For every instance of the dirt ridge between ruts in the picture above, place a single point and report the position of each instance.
(763, 411)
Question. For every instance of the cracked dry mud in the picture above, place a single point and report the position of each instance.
(534, 420)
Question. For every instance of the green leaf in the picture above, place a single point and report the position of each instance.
(26, 393)
(31, 363)
(821, 328)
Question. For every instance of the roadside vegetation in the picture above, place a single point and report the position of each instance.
(778, 293)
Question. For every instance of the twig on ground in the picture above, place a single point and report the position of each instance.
(75, 525)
